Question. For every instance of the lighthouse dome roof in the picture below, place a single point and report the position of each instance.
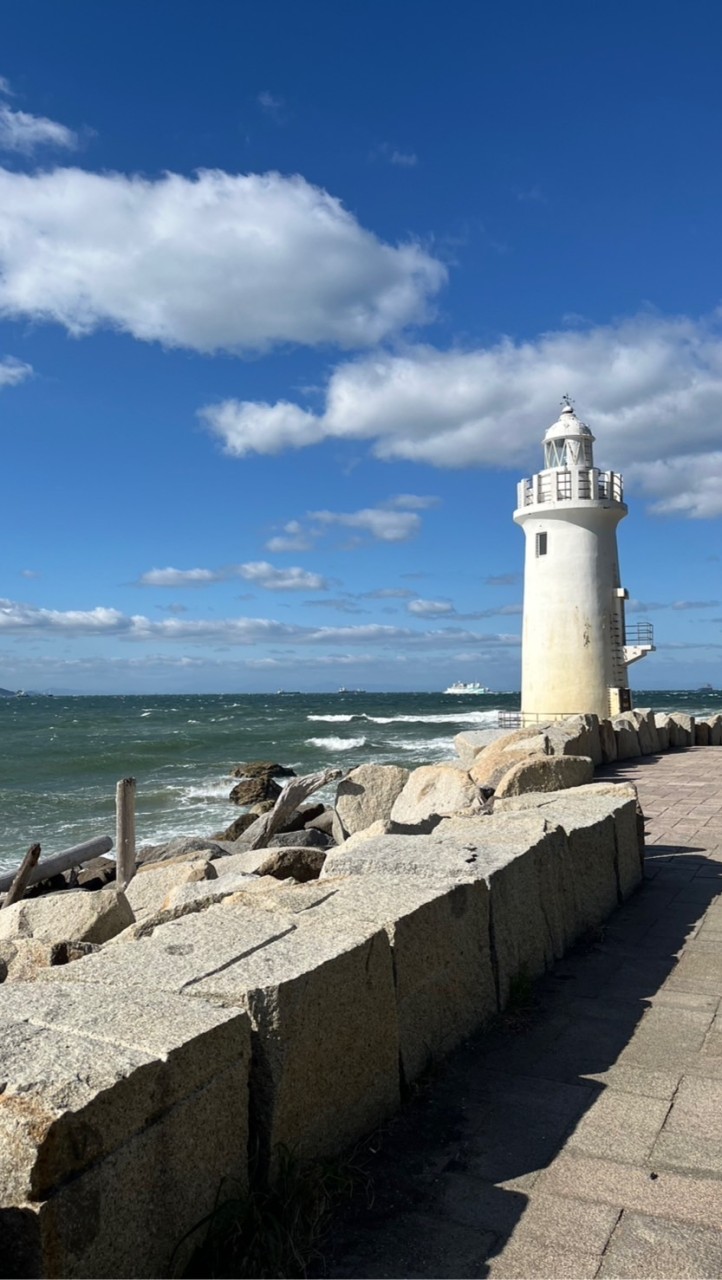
(568, 424)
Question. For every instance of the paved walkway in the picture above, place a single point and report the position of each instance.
(583, 1137)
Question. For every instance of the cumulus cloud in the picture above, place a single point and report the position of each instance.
(293, 538)
(13, 371)
(430, 608)
(213, 262)
(383, 523)
(25, 133)
(259, 572)
(650, 386)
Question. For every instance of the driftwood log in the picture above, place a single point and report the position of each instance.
(22, 878)
(293, 795)
(74, 857)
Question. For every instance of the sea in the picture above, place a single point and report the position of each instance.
(60, 757)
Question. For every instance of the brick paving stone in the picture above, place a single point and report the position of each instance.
(646, 1248)
(664, 1193)
(619, 1126)
(692, 1134)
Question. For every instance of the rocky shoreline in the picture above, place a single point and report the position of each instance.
(288, 985)
(76, 913)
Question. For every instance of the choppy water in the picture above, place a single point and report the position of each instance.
(60, 758)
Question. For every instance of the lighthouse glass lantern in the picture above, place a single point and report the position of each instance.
(576, 647)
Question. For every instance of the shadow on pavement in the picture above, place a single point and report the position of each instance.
(452, 1172)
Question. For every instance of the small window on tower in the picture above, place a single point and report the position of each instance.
(541, 544)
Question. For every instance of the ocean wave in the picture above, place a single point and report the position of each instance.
(336, 719)
(336, 744)
(463, 717)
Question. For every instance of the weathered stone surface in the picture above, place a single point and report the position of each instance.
(113, 1098)
(321, 1002)
(627, 739)
(151, 883)
(434, 788)
(368, 793)
(661, 722)
(643, 722)
(607, 742)
(546, 773)
(181, 847)
(495, 760)
(27, 959)
(681, 729)
(74, 916)
(576, 736)
(95, 874)
(472, 741)
(442, 964)
(702, 734)
(647, 729)
(245, 861)
(252, 790)
(600, 821)
(297, 863)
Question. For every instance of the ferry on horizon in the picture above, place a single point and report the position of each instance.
(471, 686)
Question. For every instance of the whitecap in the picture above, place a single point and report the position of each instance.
(333, 719)
(336, 744)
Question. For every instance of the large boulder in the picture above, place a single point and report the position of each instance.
(607, 742)
(253, 790)
(262, 769)
(186, 847)
(368, 794)
(150, 885)
(495, 760)
(702, 734)
(576, 736)
(237, 827)
(293, 863)
(627, 739)
(472, 741)
(661, 724)
(681, 729)
(643, 722)
(78, 915)
(433, 789)
(715, 730)
(545, 773)
(311, 839)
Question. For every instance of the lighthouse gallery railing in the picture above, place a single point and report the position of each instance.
(567, 485)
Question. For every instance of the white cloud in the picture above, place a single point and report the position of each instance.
(380, 522)
(181, 577)
(650, 386)
(430, 608)
(215, 262)
(262, 574)
(13, 371)
(393, 155)
(31, 620)
(259, 572)
(5, 87)
(24, 133)
(271, 105)
(293, 538)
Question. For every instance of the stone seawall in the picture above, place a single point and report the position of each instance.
(296, 1012)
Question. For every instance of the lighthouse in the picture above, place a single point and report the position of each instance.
(576, 648)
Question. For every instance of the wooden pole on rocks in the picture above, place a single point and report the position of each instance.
(21, 881)
(53, 866)
(125, 831)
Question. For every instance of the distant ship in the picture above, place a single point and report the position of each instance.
(470, 687)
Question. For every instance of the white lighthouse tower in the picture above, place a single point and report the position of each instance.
(575, 647)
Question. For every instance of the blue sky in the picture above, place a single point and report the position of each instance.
(289, 294)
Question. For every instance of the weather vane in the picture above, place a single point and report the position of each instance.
(567, 401)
